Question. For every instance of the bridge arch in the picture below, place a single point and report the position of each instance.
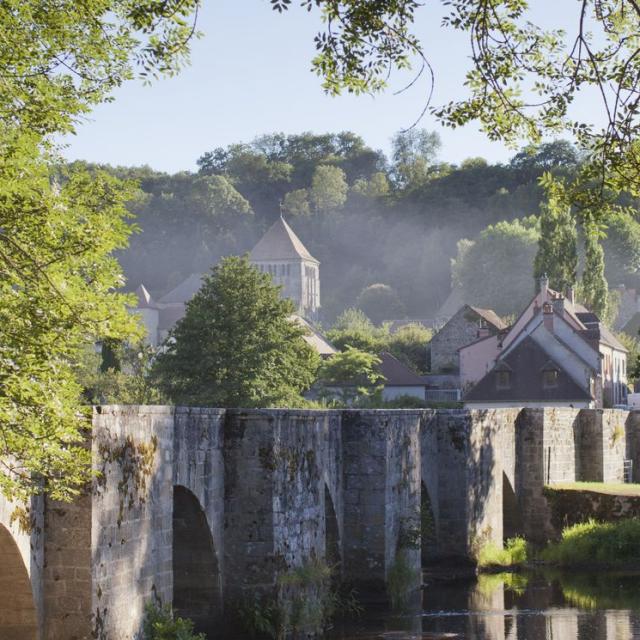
(196, 575)
(18, 618)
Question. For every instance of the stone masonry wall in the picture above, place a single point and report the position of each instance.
(131, 517)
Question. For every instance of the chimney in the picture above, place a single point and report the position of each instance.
(558, 305)
(571, 295)
(547, 313)
(483, 332)
(544, 283)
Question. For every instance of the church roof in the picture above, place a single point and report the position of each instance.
(280, 243)
(184, 291)
(144, 297)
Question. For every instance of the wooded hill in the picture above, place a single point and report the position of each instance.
(368, 218)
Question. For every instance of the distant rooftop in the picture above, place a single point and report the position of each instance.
(280, 243)
(184, 291)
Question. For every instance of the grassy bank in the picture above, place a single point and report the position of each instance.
(586, 544)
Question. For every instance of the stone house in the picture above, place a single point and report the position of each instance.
(557, 353)
(467, 325)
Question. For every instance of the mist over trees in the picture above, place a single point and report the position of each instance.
(400, 229)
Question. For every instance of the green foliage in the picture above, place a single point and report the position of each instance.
(514, 553)
(328, 189)
(622, 248)
(380, 302)
(413, 155)
(557, 255)
(494, 271)
(593, 289)
(126, 378)
(402, 581)
(85, 50)
(57, 294)
(350, 376)
(236, 345)
(354, 329)
(159, 624)
(409, 345)
(595, 542)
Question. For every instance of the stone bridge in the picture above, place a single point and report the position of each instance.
(207, 508)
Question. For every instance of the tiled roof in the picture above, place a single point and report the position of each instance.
(490, 316)
(184, 291)
(145, 301)
(398, 374)
(280, 243)
(314, 338)
(526, 363)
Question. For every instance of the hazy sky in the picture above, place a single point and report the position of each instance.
(250, 74)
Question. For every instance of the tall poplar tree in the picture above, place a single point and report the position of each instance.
(557, 255)
(593, 287)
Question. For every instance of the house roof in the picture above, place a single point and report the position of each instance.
(397, 374)
(451, 305)
(314, 338)
(280, 243)
(526, 363)
(184, 291)
(632, 328)
(490, 316)
(599, 331)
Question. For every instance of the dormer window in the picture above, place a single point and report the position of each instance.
(503, 379)
(550, 378)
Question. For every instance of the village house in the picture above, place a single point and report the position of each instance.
(557, 353)
(465, 326)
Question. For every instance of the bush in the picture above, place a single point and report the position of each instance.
(159, 624)
(514, 554)
(601, 542)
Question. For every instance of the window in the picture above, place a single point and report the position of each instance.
(503, 379)
(550, 378)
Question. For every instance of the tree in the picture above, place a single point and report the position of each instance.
(236, 345)
(380, 302)
(84, 51)
(409, 344)
(413, 154)
(296, 203)
(353, 329)
(622, 249)
(328, 189)
(557, 255)
(593, 287)
(351, 376)
(121, 378)
(57, 293)
(494, 270)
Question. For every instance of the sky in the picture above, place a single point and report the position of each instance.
(250, 74)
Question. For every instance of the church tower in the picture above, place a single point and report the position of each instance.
(281, 253)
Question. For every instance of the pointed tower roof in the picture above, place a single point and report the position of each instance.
(144, 297)
(280, 243)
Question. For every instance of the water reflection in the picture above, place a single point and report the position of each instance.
(552, 606)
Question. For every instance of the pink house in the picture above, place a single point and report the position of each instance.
(580, 358)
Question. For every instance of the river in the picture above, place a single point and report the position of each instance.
(526, 606)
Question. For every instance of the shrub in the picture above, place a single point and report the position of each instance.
(603, 542)
(513, 554)
(159, 624)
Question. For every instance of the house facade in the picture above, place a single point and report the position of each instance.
(554, 348)
(467, 325)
